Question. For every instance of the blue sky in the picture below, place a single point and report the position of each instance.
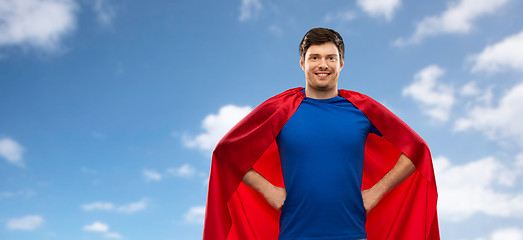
(109, 110)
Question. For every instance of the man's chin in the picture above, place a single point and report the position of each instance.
(322, 87)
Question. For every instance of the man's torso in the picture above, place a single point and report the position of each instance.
(321, 150)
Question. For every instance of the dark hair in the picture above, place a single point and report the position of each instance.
(317, 36)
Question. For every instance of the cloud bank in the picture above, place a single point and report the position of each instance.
(459, 18)
(499, 122)
(465, 190)
(40, 24)
(215, 126)
(11, 151)
(380, 8)
(30, 222)
(108, 206)
(249, 9)
(436, 99)
(195, 215)
(504, 55)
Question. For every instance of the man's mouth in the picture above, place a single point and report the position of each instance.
(322, 74)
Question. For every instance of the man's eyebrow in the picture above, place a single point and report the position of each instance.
(328, 55)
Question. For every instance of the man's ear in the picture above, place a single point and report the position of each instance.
(341, 63)
(302, 63)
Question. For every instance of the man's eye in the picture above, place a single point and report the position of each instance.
(332, 59)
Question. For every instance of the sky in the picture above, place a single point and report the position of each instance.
(110, 110)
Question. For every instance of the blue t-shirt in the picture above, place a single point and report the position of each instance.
(321, 150)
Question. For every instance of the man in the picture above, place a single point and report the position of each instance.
(303, 152)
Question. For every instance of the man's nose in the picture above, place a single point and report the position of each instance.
(323, 64)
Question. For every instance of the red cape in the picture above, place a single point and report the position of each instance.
(235, 211)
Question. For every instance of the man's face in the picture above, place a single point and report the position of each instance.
(322, 66)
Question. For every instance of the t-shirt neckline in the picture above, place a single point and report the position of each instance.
(332, 99)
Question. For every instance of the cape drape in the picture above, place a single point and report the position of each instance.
(235, 211)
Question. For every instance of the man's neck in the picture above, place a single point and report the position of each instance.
(319, 94)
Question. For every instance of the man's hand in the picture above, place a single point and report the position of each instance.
(401, 171)
(370, 199)
(275, 196)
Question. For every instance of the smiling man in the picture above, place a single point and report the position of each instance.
(311, 163)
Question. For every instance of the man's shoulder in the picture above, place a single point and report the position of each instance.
(340, 90)
(292, 92)
(283, 99)
(350, 94)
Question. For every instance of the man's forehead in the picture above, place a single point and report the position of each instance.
(323, 49)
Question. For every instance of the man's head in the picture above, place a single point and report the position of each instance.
(321, 58)
(318, 36)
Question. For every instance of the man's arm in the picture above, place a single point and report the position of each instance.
(275, 196)
(401, 171)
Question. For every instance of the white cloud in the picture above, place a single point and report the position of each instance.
(507, 54)
(470, 89)
(104, 11)
(483, 95)
(102, 228)
(249, 9)
(435, 98)
(473, 95)
(519, 162)
(510, 233)
(469, 189)
(37, 23)
(25, 223)
(185, 170)
(216, 126)
(457, 19)
(24, 193)
(113, 235)
(195, 214)
(108, 206)
(104, 206)
(501, 122)
(342, 16)
(96, 227)
(380, 8)
(151, 175)
(133, 207)
(11, 151)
